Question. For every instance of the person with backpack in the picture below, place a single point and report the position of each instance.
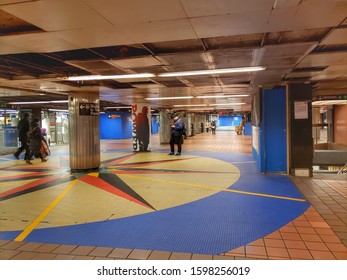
(177, 129)
(23, 129)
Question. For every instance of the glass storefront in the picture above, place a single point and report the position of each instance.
(54, 127)
(8, 130)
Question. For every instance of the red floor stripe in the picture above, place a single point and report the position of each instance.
(30, 185)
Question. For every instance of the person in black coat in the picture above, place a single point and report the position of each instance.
(36, 139)
(23, 129)
(177, 128)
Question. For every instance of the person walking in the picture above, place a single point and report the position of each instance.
(207, 126)
(176, 135)
(23, 129)
(213, 127)
(36, 139)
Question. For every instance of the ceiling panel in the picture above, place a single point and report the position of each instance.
(308, 14)
(138, 12)
(9, 49)
(198, 8)
(43, 41)
(99, 67)
(95, 37)
(182, 58)
(337, 36)
(149, 32)
(64, 17)
(136, 62)
(323, 59)
(230, 24)
(37, 42)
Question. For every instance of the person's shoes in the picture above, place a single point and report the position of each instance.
(177, 154)
(28, 161)
(43, 160)
(171, 154)
(16, 156)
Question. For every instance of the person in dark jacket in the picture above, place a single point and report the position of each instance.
(176, 135)
(23, 129)
(36, 139)
(213, 127)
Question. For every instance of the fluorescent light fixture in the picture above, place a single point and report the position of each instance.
(169, 74)
(118, 107)
(190, 105)
(58, 110)
(109, 77)
(212, 71)
(222, 96)
(169, 98)
(29, 102)
(228, 104)
(38, 102)
(200, 109)
(329, 102)
(59, 101)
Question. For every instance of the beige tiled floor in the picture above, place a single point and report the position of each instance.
(320, 233)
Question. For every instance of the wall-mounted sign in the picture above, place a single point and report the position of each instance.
(114, 116)
(300, 110)
(330, 97)
(88, 109)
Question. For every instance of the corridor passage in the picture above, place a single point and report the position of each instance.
(208, 203)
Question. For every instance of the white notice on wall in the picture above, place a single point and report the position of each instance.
(300, 110)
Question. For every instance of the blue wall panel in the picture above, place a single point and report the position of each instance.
(273, 130)
(127, 125)
(230, 120)
(154, 124)
(115, 125)
(247, 130)
(110, 126)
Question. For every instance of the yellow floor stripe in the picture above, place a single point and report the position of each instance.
(214, 188)
(34, 224)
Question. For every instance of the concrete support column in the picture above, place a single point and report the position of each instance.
(84, 131)
(141, 132)
(165, 127)
(300, 129)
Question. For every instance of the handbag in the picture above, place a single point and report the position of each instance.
(45, 151)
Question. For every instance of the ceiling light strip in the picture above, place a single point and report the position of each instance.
(212, 71)
(222, 96)
(38, 102)
(189, 105)
(169, 98)
(170, 74)
(109, 77)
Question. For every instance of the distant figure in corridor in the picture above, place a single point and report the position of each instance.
(213, 127)
(143, 131)
(23, 129)
(177, 128)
